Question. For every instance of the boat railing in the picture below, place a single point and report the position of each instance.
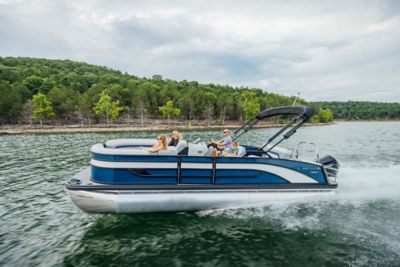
(296, 151)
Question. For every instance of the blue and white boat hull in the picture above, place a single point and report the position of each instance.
(95, 198)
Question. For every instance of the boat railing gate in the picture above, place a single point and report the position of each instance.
(179, 169)
(295, 151)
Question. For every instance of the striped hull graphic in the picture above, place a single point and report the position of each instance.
(221, 168)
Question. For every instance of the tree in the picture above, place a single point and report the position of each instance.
(10, 102)
(58, 99)
(225, 106)
(210, 99)
(168, 110)
(237, 107)
(128, 112)
(118, 92)
(65, 102)
(9, 74)
(33, 83)
(325, 115)
(42, 108)
(46, 85)
(139, 98)
(105, 106)
(186, 104)
(28, 111)
(251, 105)
(85, 108)
(153, 97)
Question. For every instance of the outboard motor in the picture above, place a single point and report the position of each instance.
(331, 166)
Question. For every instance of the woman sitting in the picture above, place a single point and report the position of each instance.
(176, 136)
(160, 145)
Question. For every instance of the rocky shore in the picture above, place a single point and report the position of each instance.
(27, 129)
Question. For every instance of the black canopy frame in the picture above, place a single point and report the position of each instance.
(304, 113)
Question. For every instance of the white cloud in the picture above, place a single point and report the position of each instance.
(327, 50)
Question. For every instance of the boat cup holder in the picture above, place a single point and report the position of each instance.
(295, 152)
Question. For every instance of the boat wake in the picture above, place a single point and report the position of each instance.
(365, 210)
(369, 183)
(360, 190)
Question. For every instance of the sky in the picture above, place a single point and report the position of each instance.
(324, 50)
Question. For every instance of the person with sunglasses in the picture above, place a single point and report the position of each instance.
(176, 136)
(160, 145)
(222, 144)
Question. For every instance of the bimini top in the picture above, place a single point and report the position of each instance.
(304, 111)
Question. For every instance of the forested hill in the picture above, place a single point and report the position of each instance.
(363, 110)
(70, 91)
(67, 92)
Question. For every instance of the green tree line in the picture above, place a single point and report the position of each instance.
(72, 92)
(363, 110)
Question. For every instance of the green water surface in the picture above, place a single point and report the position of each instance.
(359, 226)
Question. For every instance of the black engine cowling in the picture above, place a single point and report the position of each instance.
(331, 165)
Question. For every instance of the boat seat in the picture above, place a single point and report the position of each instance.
(241, 151)
(182, 148)
(199, 149)
(123, 143)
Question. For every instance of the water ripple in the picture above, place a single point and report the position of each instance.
(358, 226)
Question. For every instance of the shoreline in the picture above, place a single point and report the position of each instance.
(101, 128)
(5, 130)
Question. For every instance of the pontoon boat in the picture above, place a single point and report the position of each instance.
(125, 178)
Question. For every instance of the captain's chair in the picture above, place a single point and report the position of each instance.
(241, 151)
(182, 148)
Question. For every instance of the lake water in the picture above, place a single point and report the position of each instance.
(359, 226)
